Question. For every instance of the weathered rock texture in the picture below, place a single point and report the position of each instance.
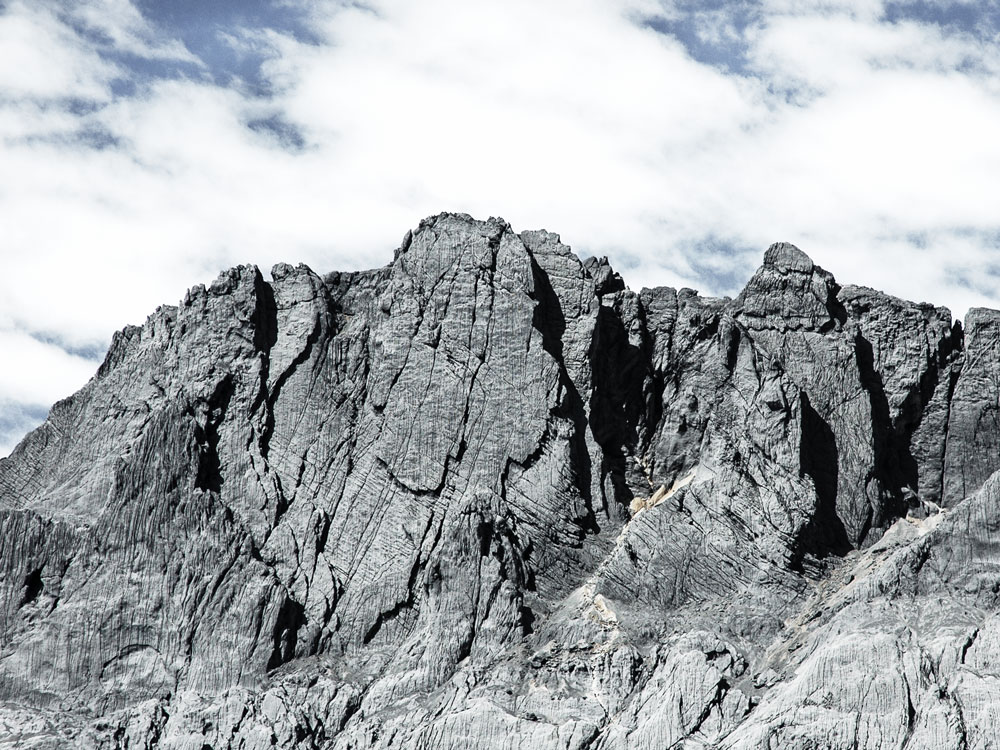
(489, 497)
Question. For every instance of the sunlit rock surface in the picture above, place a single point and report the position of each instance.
(488, 497)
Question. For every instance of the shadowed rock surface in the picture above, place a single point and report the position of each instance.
(488, 497)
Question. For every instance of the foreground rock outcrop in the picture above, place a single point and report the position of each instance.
(487, 496)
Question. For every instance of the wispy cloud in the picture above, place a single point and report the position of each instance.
(34, 374)
(145, 146)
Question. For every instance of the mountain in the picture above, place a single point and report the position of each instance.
(488, 497)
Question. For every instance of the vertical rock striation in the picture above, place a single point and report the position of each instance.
(488, 496)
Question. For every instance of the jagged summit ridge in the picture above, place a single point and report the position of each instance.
(487, 494)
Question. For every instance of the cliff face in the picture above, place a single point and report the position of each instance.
(487, 496)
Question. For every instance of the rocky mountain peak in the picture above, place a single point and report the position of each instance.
(489, 495)
(789, 291)
(786, 257)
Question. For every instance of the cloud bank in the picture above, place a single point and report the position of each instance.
(144, 148)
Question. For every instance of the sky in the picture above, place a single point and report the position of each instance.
(146, 145)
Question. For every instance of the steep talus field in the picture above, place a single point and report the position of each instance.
(488, 497)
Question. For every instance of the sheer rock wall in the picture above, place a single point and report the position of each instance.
(487, 496)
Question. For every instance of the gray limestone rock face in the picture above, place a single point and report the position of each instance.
(972, 450)
(488, 496)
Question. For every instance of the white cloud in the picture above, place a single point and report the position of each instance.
(34, 374)
(45, 58)
(871, 145)
(52, 369)
(127, 30)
